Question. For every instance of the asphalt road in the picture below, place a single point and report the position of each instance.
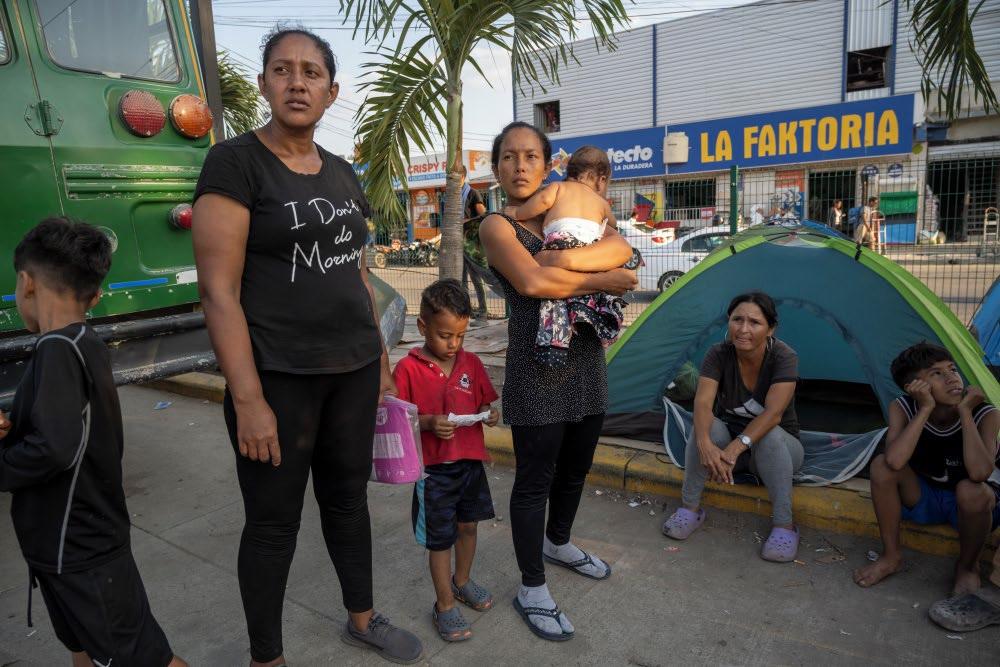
(708, 601)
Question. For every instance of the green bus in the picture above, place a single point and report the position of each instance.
(104, 117)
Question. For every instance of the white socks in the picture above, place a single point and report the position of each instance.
(539, 596)
(569, 553)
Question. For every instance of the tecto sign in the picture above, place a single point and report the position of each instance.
(632, 154)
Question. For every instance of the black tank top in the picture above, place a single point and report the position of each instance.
(939, 456)
(534, 394)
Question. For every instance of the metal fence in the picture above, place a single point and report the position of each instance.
(934, 214)
(410, 266)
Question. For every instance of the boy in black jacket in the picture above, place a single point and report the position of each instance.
(61, 457)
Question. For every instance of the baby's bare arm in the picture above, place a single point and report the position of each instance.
(610, 216)
(539, 203)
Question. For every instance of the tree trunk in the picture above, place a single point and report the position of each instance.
(452, 246)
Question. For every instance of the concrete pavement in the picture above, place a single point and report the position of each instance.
(711, 601)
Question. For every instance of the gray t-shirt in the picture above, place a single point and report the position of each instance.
(735, 404)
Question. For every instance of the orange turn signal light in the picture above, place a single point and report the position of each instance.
(190, 116)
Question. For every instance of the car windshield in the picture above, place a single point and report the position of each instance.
(127, 38)
(703, 243)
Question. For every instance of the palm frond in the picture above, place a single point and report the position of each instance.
(536, 32)
(946, 49)
(242, 107)
(415, 94)
(403, 106)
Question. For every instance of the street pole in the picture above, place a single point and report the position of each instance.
(203, 27)
(734, 198)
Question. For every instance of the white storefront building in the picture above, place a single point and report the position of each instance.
(813, 101)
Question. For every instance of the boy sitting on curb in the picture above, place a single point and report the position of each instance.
(940, 451)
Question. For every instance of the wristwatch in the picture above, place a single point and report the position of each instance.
(745, 439)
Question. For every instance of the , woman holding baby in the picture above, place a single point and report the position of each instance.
(555, 412)
(576, 215)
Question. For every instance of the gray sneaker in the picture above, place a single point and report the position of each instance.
(392, 643)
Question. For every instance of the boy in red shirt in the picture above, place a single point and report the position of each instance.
(442, 379)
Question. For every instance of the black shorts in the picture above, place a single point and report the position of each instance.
(452, 493)
(104, 612)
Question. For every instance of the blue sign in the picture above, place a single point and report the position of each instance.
(895, 170)
(632, 154)
(833, 132)
(869, 171)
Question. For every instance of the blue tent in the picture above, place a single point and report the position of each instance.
(846, 310)
(987, 321)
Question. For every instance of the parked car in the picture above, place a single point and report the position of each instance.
(666, 261)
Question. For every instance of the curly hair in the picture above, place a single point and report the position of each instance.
(446, 295)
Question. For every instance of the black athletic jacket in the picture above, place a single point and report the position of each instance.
(63, 456)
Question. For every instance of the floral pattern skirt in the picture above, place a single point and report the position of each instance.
(558, 318)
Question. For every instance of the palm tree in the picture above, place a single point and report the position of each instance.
(242, 110)
(414, 92)
(946, 50)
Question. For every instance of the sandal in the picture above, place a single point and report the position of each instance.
(473, 595)
(451, 625)
(577, 564)
(683, 522)
(781, 546)
(964, 613)
(527, 612)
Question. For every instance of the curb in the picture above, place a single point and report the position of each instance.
(834, 508)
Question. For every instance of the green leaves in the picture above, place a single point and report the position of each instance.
(414, 82)
(536, 33)
(946, 48)
(403, 107)
(242, 109)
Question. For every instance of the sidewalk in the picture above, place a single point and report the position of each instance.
(711, 601)
(641, 467)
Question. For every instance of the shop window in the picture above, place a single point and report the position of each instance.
(691, 194)
(866, 69)
(547, 116)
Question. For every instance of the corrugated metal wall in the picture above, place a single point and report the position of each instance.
(869, 24)
(606, 92)
(986, 30)
(750, 59)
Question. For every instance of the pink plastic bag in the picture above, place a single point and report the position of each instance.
(397, 456)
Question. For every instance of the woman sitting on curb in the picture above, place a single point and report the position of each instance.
(735, 425)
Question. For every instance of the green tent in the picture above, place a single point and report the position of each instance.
(847, 311)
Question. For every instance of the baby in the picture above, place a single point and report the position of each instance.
(576, 214)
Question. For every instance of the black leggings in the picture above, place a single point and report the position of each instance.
(326, 423)
(552, 463)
